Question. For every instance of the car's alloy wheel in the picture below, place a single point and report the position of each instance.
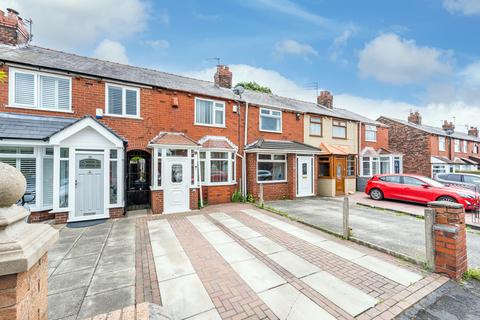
(376, 194)
(447, 198)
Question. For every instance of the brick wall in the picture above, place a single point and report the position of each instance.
(156, 201)
(218, 194)
(382, 139)
(194, 194)
(24, 295)
(12, 29)
(116, 213)
(450, 148)
(61, 217)
(39, 216)
(413, 143)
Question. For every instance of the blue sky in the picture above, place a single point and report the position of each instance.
(377, 57)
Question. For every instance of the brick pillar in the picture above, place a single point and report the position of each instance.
(23, 254)
(292, 175)
(450, 239)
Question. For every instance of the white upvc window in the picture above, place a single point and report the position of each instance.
(475, 148)
(380, 165)
(270, 120)
(271, 168)
(209, 112)
(39, 90)
(122, 101)
(441, 144)
(316, 126)
(370, 133)
(465, 146)
(456, 143)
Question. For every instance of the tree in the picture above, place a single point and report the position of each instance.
(252, 85)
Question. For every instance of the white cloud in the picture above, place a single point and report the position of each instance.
(158, 44)
(471, 74)
(289, 8)
(390, 59)
(207, 17)
(72, 24)
(111, 51)
(339, 43)
(295, 48)
(432, 112)
(466, 7)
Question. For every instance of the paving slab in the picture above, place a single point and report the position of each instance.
(232, 252)
(107, 301)
(340, 250)
(84, 249)
(69, 281)
(290, 304)
(161, 248)
(257, 275)
(347, 297)
(265, 245)
(173, 265)
(217, 237)
(185, 296)
(388, 270)
(65, 304)
(208, 315)
(76, 264)
(245, 232)
(111, 281)
(307, 236)
(297, 266)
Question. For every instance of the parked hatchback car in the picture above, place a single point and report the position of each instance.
(466, 180)
(419, 189)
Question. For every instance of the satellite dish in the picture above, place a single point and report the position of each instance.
(238, 90)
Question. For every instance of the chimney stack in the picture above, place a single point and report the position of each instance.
(223, 77)
(13, 30)
(325, 99)
(473, 131)
(415, 117)
(448, 126)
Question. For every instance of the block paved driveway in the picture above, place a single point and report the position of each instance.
(228, 262)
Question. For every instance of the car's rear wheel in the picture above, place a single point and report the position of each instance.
(447, 198)
(376, 194)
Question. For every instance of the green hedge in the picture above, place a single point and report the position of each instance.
(466, 171)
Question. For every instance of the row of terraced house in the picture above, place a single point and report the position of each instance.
(95, 139)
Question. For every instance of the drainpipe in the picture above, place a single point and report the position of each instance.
(125, 177)
(244, 160)
(199, 179)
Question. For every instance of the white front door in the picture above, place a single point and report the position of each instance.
(304, 176)
(176, 195)
(89, 184)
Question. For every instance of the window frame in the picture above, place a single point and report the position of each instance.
(351, 159)
(213, 124)
(272, 160)
(37, 90)
(124, 89)
(341, 124)
(370, 128)
(280, 117)
(320, 119)
(465, 146)
(442, 143)
(456, 144)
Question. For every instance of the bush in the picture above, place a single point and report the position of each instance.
(250, 198)
(470, 172)
(237, 196)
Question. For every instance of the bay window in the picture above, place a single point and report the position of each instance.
(270, 120)
(271, 167)
(388, 164)
(38, 90)
(24, 159)
(339, 129)
(218, 167)
(370, 133)
(122, 101)
(209, 112)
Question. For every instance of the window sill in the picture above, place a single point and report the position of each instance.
(210, 125)
(270, 131)
(340, 138)
(39, 109)
(316, 135)
(271, 182)
(370, 140)
(216, 184)
(123, 116)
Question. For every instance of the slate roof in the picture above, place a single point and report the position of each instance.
(61, 61)
(435, 130)
(32, 127)
(359, 117)
(281, 145)
(20, 126)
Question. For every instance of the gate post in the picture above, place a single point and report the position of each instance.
(346, 222)
(450, 238)
(23, 253)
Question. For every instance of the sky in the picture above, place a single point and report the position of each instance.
(377, 57)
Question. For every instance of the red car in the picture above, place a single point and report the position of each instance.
(413, 188)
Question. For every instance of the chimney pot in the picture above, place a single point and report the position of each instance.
(223, 77)
(473, 131)
(325, 99)
(448, 126)
(415, 117)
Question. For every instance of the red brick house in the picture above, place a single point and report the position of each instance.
(429, 150)
(95, 138)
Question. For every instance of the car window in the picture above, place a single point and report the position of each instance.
(412, 181)
(454, 177)
(471, 179)
(391, 179)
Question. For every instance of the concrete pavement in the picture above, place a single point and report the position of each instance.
(394, 231)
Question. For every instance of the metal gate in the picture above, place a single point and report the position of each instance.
(138, 180)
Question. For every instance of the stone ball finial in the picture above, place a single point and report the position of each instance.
(12, 185)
